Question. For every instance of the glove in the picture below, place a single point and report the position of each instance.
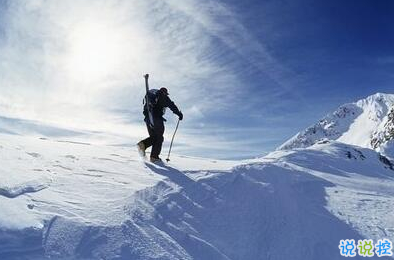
(180, 115)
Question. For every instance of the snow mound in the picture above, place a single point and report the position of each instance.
(360, 123)
(62, 198)
(289, 205)
(102, 202)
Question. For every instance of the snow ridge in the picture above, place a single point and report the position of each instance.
(248, 212)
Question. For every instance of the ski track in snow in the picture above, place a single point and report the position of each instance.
(79, 201)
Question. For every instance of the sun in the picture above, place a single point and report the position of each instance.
(95, 51)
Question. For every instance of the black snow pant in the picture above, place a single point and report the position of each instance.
(155, 138)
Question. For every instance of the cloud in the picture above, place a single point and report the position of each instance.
(80, 63)
(75, 53)
(221, 21)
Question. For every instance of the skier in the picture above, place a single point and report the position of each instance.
(156, 128)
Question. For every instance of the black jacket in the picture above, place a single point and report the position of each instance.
(159, 109)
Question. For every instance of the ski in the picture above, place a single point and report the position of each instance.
(147, 102)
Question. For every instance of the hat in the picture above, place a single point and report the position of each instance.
(164, 91)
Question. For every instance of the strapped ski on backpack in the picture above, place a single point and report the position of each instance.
(148, 104)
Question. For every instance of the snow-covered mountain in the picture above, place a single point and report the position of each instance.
(61, 199)
(383, 139)
(367, 123)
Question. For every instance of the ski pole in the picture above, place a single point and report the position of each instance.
(172, 140)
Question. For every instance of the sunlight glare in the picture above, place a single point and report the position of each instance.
(95, 51)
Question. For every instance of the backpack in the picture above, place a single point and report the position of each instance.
(152, 97)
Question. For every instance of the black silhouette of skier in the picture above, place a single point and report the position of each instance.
(155, 105)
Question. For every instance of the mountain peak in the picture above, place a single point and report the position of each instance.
(364, 123)
(377, 99)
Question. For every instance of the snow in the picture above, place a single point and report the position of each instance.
(52, 175)
(103, 202)
(62, 197)
(70, 187)
(362, 195)
(355, 123)
(375, 108)
(387, 149)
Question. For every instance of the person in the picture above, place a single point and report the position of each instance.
(156, 131)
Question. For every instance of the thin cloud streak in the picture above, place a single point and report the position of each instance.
(211, 14)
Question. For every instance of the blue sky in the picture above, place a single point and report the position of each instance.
(247, 74)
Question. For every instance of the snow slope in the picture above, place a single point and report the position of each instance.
(46, 181)
(16, 126)
(67, 200)
(362, 123)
